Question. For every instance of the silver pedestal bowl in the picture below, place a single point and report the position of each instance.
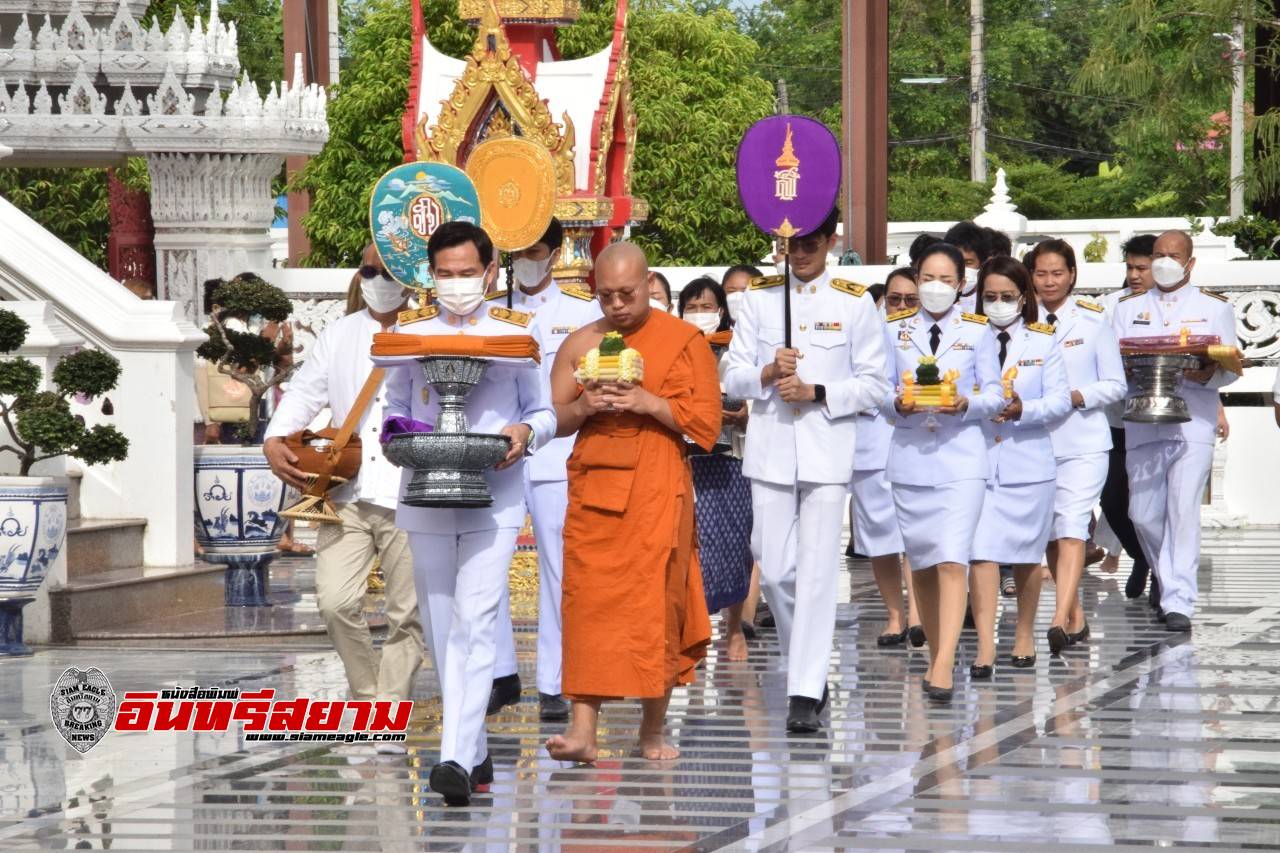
(1158, 377)
(448, 464)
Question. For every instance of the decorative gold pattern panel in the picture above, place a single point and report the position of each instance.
(520, 11)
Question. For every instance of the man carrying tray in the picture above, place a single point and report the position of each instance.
(461, 556)
(1169, 463)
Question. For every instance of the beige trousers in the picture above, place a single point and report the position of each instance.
(344, 553)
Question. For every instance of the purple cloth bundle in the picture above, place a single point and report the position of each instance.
(399, 424)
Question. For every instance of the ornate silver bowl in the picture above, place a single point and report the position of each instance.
(1158, 377)
(448, 464)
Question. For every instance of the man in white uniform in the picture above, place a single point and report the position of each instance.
(461, 556)
(1169, 464)
(332, 376)
(800, 445)
(557, 312)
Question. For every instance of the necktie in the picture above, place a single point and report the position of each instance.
(1003, 338)
(935, 337)
(1052, 319)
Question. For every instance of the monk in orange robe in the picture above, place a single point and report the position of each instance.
(635, 618)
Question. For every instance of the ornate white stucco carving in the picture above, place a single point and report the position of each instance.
(311, 316)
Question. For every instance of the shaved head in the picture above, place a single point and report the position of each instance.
(1173, 244)
(622, 285)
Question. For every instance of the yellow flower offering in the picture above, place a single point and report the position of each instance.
(612, 361)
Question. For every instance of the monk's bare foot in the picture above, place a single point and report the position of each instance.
(654, 747)
(572, 747)
(737, 646)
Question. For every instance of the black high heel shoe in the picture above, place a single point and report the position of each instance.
(981, 673)
(887, 640)
(1081, 636)
(939, 694)
(1023, 661)
(916, 634)
(1058, 640)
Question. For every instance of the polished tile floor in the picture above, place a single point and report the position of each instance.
(1139, 739)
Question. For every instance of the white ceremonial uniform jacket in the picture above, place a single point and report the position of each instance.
(1021, 451)
(837, 329)
(955, 449)
(1159, 313)
(507, 395)
(557, 312)
(1092, 356)
(331, 376)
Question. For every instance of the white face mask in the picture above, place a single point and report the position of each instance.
(706, 321)
(658, 306)
(530, 273)
(937, 296)
(460, 296)
(380, 295)
(1002, 313)
(1167, 272)
(970, 279)
(733, 301)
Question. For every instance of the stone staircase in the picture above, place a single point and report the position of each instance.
(108, 587)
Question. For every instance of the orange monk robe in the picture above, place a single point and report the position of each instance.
(635, 617)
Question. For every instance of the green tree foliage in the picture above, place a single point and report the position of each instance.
(693, 88)
(40, 423)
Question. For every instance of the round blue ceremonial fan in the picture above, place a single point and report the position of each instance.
(407, 205)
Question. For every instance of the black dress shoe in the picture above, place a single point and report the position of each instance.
(1023, 661)
(802, 715)
(886, 640)
(505, 691)
(1058, 640)
(940, 694)
(482, 773)
(981, 673)
(1178, 623)
(450, 781)
(916, 634)
(1081, 636)
(1137, 582)
(552, 709)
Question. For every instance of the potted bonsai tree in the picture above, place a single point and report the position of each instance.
(238, 499)
(39, 425)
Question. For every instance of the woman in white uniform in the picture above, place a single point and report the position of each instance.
(1082, 439)
(938, 465)
(1017, 514)
(875, 521)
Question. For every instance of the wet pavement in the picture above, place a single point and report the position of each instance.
(1139, 738)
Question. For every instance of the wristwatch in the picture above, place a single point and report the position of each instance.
(819, 393)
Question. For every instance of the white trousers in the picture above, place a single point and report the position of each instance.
(548, 501)
(1166, 486)
(800, 558)
(460, 579)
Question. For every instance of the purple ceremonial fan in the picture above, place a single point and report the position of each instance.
(788, 174)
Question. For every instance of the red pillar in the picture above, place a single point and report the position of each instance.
(864, 198)
(306, 33)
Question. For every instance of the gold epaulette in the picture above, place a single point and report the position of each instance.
(497, 294)
(415, 315)
(1130, 296)
(974, 318)
(902, 315)
(506, 315)
(763, 281)
(848, 287)
(1220, 296)
(1042, 328)
(577, 292)
(1090, 306)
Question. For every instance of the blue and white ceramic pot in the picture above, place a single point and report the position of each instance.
(33, 529)
(238, 523)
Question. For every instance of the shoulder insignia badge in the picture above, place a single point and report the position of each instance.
(761, 282)
(506, 315)
(848, 287)
(1130, 296)
(1219, 296)
(416, 315)
(497, 294)
(1042, 328)
(1090, 306)
(902, 315)
(577, 292)
(974, 318)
